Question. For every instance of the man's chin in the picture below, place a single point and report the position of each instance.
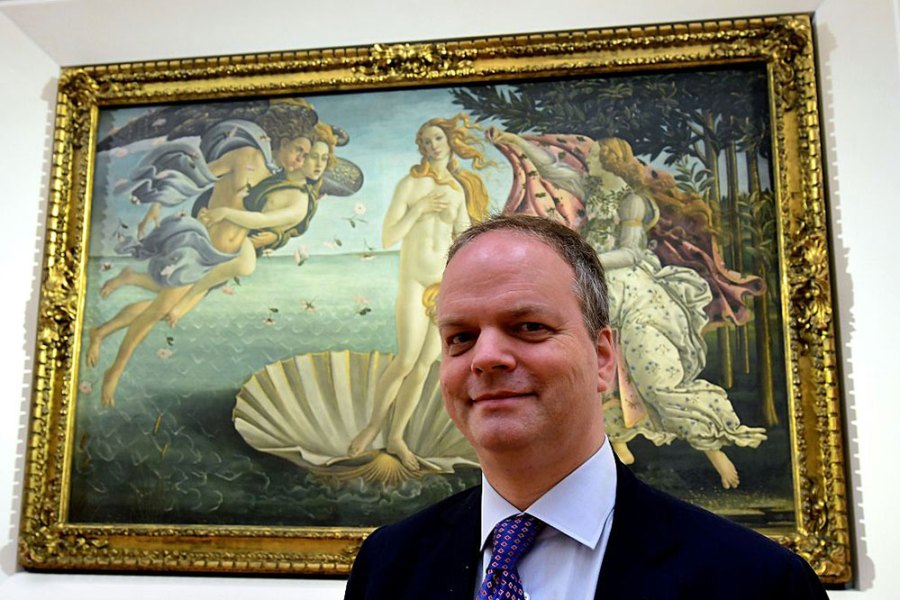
(496, 439)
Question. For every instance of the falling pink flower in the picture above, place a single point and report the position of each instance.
(228, 290)
(269, 321)
(85, 387)
(329, 245)
(301, 255)
(360, 299)
(359, 208)
(164, 353)
(120, 152)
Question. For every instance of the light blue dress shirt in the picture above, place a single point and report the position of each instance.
(564, 562)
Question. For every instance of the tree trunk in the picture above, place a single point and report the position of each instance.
(726, 356)
(761, 320)
(737, 244)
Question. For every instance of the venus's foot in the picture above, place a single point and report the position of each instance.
(108, 388)
(123, 278)
(622, 451)
(399, 449)
(93, 355)
(725, 468)
(362, 440)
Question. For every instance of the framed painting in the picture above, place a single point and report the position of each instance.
(236, 358)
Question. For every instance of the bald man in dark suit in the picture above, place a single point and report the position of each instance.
(526, 355)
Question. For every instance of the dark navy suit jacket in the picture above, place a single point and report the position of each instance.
(659, 548)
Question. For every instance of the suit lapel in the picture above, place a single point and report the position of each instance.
(640, 539)
(454, 553)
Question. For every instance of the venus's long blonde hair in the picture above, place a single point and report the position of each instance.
(462, 141)
(464, 144)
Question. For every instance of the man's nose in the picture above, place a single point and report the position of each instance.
(492, 352)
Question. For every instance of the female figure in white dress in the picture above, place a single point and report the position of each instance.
(657, 313)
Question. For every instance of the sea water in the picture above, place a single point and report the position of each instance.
(167, 452)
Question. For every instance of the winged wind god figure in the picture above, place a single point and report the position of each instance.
(253, 181)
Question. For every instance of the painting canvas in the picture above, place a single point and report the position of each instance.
(314, 322)
(256, 344)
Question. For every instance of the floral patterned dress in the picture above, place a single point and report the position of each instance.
(657, 314)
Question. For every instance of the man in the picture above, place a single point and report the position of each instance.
(526, 354)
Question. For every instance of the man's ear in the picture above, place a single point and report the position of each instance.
(606, 360)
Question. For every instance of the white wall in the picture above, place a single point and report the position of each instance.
(860, 79)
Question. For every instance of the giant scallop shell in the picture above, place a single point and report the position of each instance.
(307, 409)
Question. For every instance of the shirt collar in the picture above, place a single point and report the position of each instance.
(577, 506)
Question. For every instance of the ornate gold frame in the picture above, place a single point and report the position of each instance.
(784, 44)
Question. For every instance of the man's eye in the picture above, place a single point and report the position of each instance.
(532, 327)
(458, 343)
(459, 338)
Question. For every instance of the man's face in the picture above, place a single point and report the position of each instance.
(519, 370)
(291, 153)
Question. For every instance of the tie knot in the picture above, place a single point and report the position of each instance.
(513, 537)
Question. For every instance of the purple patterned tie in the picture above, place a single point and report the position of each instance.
(513, 537)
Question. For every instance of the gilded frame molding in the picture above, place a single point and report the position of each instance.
(784, 44)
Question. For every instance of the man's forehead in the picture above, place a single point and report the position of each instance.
(504, 245)
(496, 249)
(507, 262)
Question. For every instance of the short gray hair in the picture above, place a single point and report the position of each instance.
(590, 282)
